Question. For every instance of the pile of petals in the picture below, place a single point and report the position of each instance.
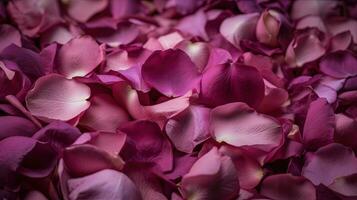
(178, 99)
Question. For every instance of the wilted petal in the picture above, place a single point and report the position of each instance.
(282, 186)
(146, 144)
(55, 97)
(188, 128)
(104, 114)
(213, 176)
(171, 72)
(228, 83)
(340, 64)
(9, 35)
(239, 125)
(328, 163)
(239, 27)
(16, 126)
(73, 61)
(83, 10)
(319, 124)
(106, 184)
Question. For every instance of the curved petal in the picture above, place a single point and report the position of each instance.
(73, 61)
(345, 130)
(213, 176)
(239, 27)
(83, 10)
(55, 97)
(9, 35)
(239, 125)
(171, 72)
(228, 83)
(268, 27)
(104, 114)
(106, 184)
(328, 163)
(319, 124)
(340, 64)
(301, 8)
(16, 126)
(345, 185)
(282, 186)
(188, 128)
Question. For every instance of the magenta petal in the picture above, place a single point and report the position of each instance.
(35, 195)
(73, 61)
(9, 35)
(345, 130)
(55, 97)
(345, 185)
(83, 10)
(239, 27)
(228, 83)
(171, 72)
(194, 25)
(319, 125)
(239, 125)
(282, 186)
(146, 144)
(104, 114)
(301, 8)
(340, 64)
(95, 158)
(213, 176)
(16, 126)
(188, 128)
(268, 27)
(328, 163)
(106, 184)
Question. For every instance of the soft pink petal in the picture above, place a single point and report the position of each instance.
(9, 35)
(340, 64)
(83, 10)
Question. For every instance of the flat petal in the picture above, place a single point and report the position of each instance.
(340, 64)
(188, 128)
(16, 126)
(238, 80)
(239, 125)
(171, 72)
(44, 100)
(9, 35)
(106, 184)
(301, 8)
(282, 186)
(73, 61)
(328, 163)
(319, 125)
(194, 25)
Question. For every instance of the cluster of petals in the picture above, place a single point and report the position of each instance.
(178, 99)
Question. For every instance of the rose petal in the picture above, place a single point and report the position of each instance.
(345, 130)
(239, 27)
(228, 83)
(73, 61)
(282, 186)
(319, 125)
(9, 35)
(340, 64)
(106, 184)
(301, 8)
(239, 125)
(171, 72)
(16, 126)
(188, 128)
(83, 10)
(55, 97)
(328, 163)
(345, 185)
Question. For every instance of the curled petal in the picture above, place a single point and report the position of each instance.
(281, 186)
(268, 27)
(239, 27)
(55, 97)
(239, 125)
(335, 159)
(171, 72)
(73, 61)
